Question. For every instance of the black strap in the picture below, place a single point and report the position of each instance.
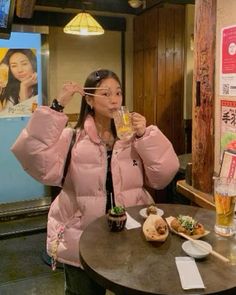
(67, 163)
(56, 106)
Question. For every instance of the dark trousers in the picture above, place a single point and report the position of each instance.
(79, 283)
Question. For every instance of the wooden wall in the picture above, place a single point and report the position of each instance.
(159, 70)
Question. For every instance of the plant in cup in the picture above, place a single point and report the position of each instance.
(117, 218)
(117, 210)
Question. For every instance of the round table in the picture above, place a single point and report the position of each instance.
(125, 263)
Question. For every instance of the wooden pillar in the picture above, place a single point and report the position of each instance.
(203, 95)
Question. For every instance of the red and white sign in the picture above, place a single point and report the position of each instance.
(228, 125)
(228, 62)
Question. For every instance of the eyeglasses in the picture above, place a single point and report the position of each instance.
(108, 95)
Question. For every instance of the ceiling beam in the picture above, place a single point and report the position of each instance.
(56, 19)
(112, 6)
(25, 8)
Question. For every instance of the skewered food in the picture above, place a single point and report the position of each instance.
(187, 225)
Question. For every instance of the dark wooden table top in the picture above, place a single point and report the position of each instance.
(126, 263)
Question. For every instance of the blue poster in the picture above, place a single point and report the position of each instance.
(20, 94)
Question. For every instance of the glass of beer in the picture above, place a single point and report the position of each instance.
(3, 75)
(224, 197)
(122, 119)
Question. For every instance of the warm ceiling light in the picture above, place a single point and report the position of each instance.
(135, 3)
(83, 24)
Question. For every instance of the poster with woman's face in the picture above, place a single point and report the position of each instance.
(20, 74)
(21, 87)
(18, 81)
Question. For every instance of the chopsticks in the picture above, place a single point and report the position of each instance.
(214, 253)
(101, 88)
(91, 94)
(94, 88)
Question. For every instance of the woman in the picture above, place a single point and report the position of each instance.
(22, 77)
(101, 166)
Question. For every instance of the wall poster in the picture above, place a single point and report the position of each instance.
(20, 93)
(228, 62)
(228, 125)
(19, 78)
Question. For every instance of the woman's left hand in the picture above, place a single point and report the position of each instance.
(139, 124)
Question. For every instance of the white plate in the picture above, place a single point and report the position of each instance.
(195, 251)
(143, 212)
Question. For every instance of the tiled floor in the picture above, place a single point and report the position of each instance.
(23, 271)
(22, 268)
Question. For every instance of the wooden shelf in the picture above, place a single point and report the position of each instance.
(197, 197)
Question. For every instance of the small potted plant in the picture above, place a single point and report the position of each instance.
(117, 218)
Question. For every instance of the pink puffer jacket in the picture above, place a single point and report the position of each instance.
(42, 148)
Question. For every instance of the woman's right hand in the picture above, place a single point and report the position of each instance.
(26, 87)
(67, 92)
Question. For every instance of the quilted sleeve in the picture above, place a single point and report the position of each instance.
(159, 158)
(42, 145)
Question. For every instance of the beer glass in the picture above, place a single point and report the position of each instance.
(224, 197)
(3, 75)
(122, 119)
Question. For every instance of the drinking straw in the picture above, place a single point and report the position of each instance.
(112, 205)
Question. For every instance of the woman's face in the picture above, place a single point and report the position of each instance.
(110, 99)
(20, 66)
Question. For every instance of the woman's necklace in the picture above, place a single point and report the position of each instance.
(105, 134)
(108, 139)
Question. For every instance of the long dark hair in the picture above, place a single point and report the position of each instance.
(13, 86)
(94, 80)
